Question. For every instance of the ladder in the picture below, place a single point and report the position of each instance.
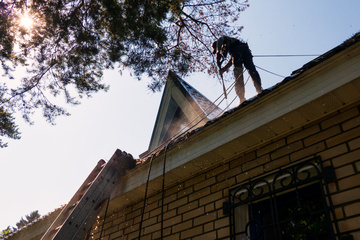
(78, 216)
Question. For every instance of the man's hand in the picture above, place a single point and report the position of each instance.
(219, 59)
(222, 70)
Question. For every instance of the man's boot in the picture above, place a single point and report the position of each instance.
(256, 80)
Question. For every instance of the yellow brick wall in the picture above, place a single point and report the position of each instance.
(193, 208)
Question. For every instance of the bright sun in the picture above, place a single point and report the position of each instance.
(26, 21)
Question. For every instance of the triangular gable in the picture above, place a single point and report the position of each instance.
(181, 108)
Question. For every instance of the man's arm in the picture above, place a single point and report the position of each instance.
(226, 67)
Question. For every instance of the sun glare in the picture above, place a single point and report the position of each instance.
(26, 21)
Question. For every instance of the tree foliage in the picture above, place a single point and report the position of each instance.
(6, 232)
(29, 219)
(71, 43)
(33, 216)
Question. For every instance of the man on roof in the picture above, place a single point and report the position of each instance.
(239, 54)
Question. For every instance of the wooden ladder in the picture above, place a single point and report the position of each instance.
(78, 216)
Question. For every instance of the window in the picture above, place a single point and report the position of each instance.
(290, 204)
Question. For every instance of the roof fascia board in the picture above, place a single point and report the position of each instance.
(164, 104)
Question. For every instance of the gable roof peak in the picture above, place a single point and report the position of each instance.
(182, 108)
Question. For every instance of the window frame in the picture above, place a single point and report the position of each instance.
(272, 185)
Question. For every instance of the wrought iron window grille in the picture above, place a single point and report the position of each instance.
(292, 203)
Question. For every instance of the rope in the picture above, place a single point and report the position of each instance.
(233, 98)
(163, 194)
(270, 72)
(288, 55)
(146, 190)
(106, 210)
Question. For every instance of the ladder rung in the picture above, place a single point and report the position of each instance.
(57, 228)
(76, 219)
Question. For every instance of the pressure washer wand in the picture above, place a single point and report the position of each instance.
(219, 60)
(224, 89)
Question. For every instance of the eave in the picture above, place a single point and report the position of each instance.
(36, 229)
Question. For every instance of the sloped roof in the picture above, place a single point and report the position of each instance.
(181, 107)
(35, 229)
(293, 77)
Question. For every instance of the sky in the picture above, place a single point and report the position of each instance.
(44, 169)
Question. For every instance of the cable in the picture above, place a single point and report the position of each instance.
(233, 99)
(226, 107)
(270, 72)
(163, 194)
(288, 55)
(106, 210)
(146, 190)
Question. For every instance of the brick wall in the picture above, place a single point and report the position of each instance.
(193, 208)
